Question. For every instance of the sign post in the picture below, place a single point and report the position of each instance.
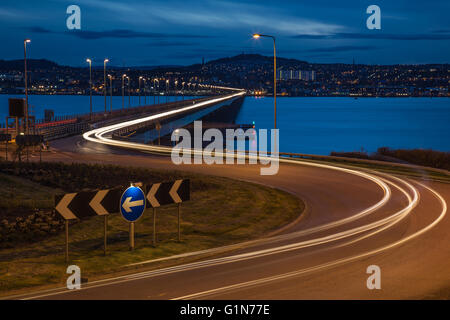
(179, 222)
(168, 193)
(67, 241)
(154, 227)
(131, 236)
(86, 204)
(105, 233)
(132, 206)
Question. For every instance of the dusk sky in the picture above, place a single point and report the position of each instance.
(173, 32)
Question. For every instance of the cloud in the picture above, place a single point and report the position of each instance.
(441, 31)
(215, 14)
(37, 29)
(376, 36)
(342, 49)
(116, 33)
(172, 44)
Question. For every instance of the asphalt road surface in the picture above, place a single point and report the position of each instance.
(353, 219)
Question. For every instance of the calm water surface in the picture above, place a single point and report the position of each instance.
(310, 125)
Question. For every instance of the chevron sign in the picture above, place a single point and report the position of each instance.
(86, 204)
(159, 194)
(82, 205)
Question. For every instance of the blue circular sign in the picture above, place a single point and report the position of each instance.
(132, 203)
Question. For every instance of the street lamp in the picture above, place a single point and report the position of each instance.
(176, 89)
(110, 92)
(129, 92)
(26, 82)
(123, 91)
(145, 91)
(104, 79)
(167, 90)
(182, 89)
(140, 78)
(256, 36)
(154, 90)
(90, 87)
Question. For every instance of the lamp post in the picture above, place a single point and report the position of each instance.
(26, 83)
(104, 79)
(123, 90)
(176, 90)
(182, 89)
(140, 78)
(256, 36)
(90, 87)
(129, 92)
(167, 90)
(145, 91)
(154, 91)
(110, 92)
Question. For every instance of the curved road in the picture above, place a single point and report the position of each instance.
(354, 219)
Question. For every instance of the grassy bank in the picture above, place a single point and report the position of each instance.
(222, 211)
(392, 168)
(421, 157)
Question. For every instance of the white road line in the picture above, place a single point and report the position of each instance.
(376, 226)
(326, 265)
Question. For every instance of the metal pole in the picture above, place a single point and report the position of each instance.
(110, 94)
(105, 233)
(123, 89)
(139, 91)
(145, 92)
(6, 142)
(90, 89)
(275, 83)
(67, 241)
(131, 235)
(129, 93)
(104, 81)
(26, 86)
(179, 222)
(154, 226)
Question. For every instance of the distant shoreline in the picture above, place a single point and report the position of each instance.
(255, 96)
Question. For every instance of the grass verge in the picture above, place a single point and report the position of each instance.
(221, 212)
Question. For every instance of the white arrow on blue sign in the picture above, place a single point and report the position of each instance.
(132, 204)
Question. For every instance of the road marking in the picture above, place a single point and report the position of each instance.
(326, 265)
(99, 133)
(186, 267)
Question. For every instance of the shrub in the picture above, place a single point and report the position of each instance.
(423, 157)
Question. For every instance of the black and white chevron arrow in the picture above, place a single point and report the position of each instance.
(86, 204)
(82, 205)
(159, 194)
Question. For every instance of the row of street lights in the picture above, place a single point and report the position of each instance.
(255, 36)
(141, 78)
